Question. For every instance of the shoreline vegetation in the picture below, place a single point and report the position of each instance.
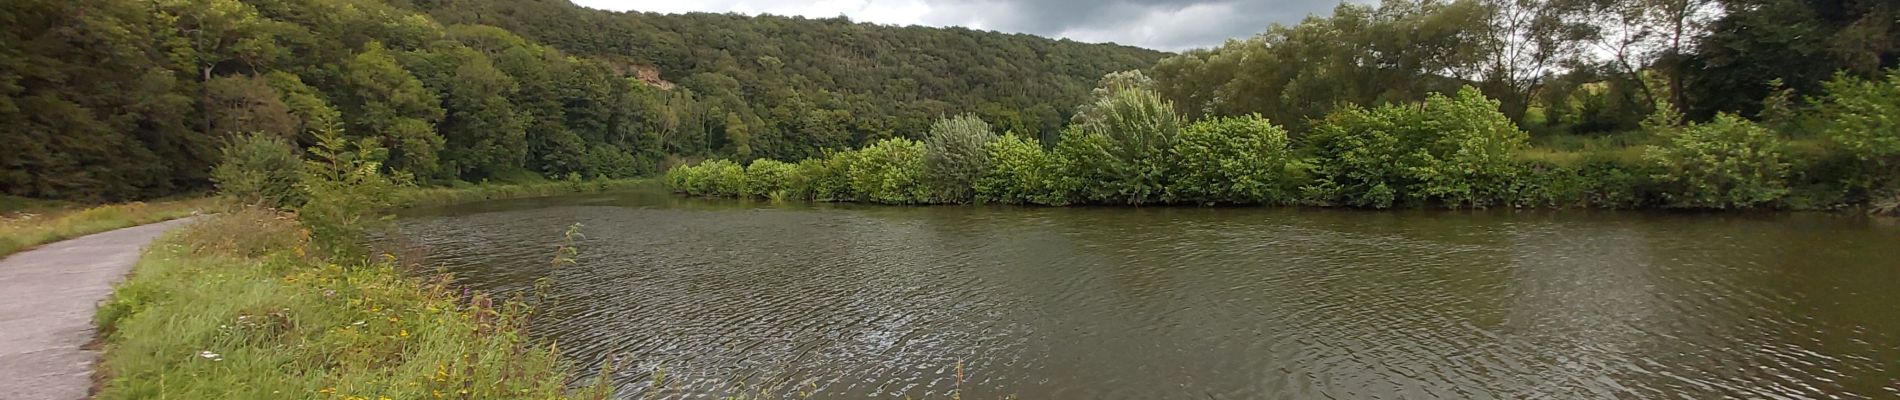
(1130, 147)
(255, 302)
(31, 225)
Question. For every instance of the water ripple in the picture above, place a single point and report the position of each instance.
(726, 298)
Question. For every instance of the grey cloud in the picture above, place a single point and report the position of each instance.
(1159, 24)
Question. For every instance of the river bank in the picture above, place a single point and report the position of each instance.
(244, 305)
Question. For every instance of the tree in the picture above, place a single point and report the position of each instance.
(739, 135)
(1528, 41)
(391, 105)
(955, 157)
(241, 105)
(482, 132)
(1124, 152)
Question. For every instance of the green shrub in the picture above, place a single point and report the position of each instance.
(1726, 163)
(1239, 160)
(1609, 182)
(770, 178)
(678, 178)
(826, 178)
(1862, 119)
(1021, 172)
(345, 191)
(716, 178)
(955, 157)
(1123, 152)
(1453, 151)
(1544, 184)
(259, 170)
(890, 171)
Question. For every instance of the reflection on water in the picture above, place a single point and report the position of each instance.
(852, 301)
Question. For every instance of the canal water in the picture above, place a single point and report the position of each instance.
(696, 298)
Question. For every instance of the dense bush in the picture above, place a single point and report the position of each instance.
(1616, 183)
(826, 178)
(1862, 119)
(890, 171)
(770, 179)
(1726, 163)
(259, 170)
(1123, 153)
(955, 157)
(1021, 172)
(722, 178)
(1239, 160)
(1453, 151)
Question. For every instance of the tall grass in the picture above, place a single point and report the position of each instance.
(236, 307)
(25, 229)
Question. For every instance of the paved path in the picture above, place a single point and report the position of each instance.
(47, 298)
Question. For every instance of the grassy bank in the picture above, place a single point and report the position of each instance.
(237, 306)
(242, 305)
(43, 223)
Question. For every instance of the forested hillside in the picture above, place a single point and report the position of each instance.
(119, 99)
(1708, 104)
(799, 84)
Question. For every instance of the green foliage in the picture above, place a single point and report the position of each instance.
(245, 105)
(1241, 160)
(613, 162)
(260, 170)
(770, 178)
(1726, 163)
(233, 307)
(826, 178)
(1022, 173)
(714, 178)
(391, 106)
(955, 157)
(345, 191)
(1862, 119)
(803, 85)
(890, 171)
(1124, 154)
(1396, 51)
(1452, 151)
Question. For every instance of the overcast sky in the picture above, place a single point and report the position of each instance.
(1171, 25)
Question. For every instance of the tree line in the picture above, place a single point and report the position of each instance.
(1556, 66)
(1458, 150)
(123, 99)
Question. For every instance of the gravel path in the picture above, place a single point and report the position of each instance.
(47, 298)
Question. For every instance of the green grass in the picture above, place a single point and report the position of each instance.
(39, 222)
(435, 196)
(234, 308)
